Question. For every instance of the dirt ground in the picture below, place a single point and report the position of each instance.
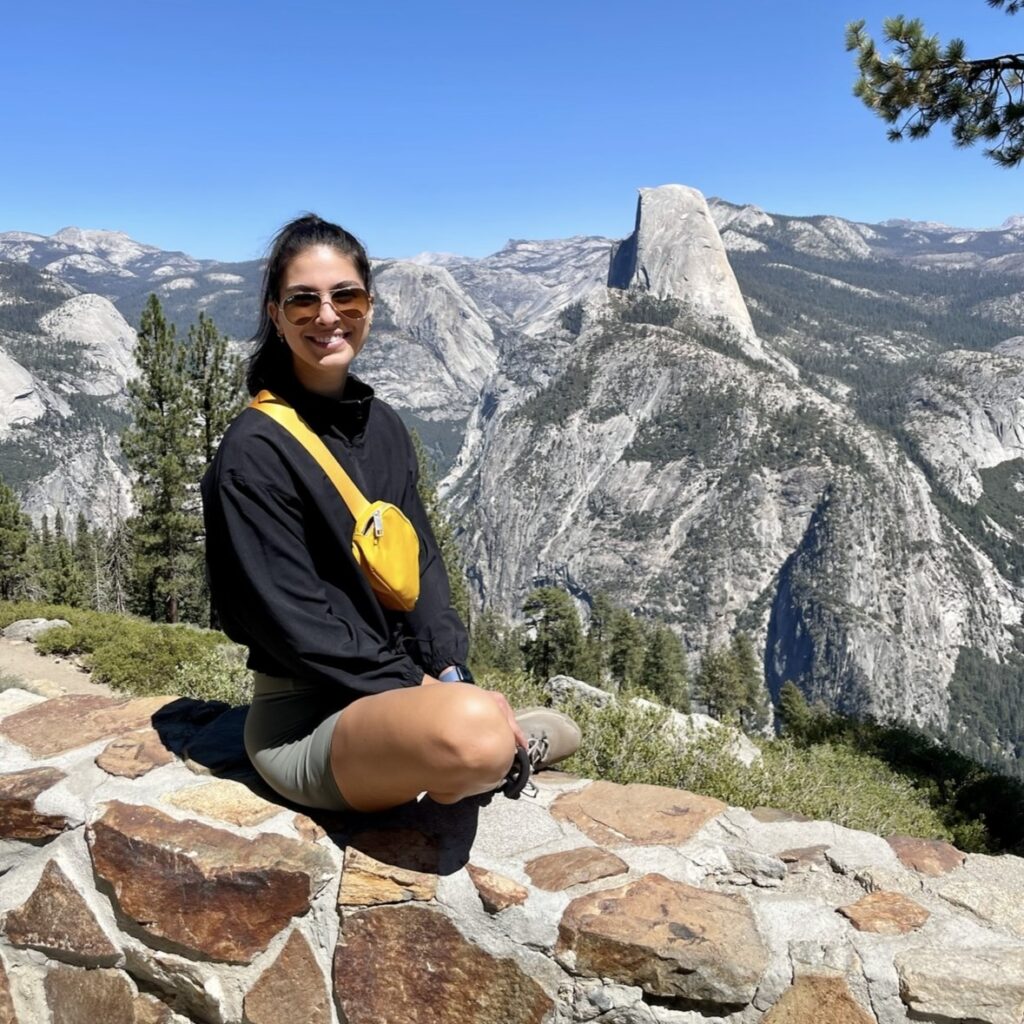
(44, 674)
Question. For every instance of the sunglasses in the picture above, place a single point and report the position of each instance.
(350, 303)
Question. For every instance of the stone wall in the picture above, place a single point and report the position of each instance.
(149, 879)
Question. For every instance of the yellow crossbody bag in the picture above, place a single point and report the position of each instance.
(385, 544)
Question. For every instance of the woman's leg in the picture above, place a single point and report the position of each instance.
(450, 740)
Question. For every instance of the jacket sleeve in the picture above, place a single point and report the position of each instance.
(436, 636)
(277, 593)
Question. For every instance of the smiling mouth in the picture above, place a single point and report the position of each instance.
(327, 340)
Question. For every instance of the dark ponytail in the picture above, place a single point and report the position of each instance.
(271, 359)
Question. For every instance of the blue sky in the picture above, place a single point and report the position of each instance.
(452, 126)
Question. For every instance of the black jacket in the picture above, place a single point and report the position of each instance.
(279, 549)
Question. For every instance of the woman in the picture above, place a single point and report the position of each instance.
(355, 707)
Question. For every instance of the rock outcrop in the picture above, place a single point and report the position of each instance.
(167, 896)
(675, 252)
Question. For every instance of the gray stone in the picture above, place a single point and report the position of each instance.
(985, 985)
(990, 887)
(565, 688)
(29, 629)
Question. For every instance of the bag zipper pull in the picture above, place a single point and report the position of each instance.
(378, 523)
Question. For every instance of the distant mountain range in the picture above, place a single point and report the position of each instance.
(806, 427)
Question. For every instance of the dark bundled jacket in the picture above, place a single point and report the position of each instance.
(279, 549)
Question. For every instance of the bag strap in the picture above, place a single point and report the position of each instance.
(278, 409)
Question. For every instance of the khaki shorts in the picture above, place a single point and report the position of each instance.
(288, 733)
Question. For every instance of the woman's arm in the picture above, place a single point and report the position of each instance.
(271, 596)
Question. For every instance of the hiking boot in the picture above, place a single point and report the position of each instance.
(551, 737)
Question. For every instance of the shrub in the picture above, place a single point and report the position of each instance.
(216, 674)
(145, 660)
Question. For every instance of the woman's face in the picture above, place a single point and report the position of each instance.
(323, 349)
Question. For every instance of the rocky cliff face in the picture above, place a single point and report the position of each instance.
(675, 251)
(136, 888)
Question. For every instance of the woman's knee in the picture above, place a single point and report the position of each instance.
(473, 734)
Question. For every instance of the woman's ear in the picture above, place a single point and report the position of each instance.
(272, 311)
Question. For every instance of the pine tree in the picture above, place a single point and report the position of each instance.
(923, 83)
(495, 643)
(754, 713)
(664, 668)
(795, 712)
(442, 529)
(161, 450)
(556, 643)
(218, 382)
(66, 583)
(15, 536)
(625, 650)
(718, 686)
(594, 662)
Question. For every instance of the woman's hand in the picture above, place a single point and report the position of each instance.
(506, 710)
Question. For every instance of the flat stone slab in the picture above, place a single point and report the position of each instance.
(291, 989)
(970, 985)
(887, 913)
(931, 857)
(816, 999)
(615, 815)
(64, 723)
(559, 871)
(203, 891)
(497, 892)
(56, 920)
(77, 996)
(389, 866)
(992, 888)
(18, 817)
(433, 975)
(229, 801)
(670, 939)
(133, 755)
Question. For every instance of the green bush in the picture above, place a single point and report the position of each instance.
(216, 674)
(146, 660)
(138, 657)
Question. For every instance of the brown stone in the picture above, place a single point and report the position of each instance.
(888, 913)
(7, 1015)
(774, 816)
(77, 996)
(56, 920)
(389, 866)
(226, 800)
(132, 755)
(558, 871)
(497, 892)
(931, 857)
(210, 893)
(291, 990)
(76, 720)
(670, 939)
(149, 1010)
(814, 999)
(18, 817)
(802, 857)
(615, 815)
(430, 973)
(308, 828)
